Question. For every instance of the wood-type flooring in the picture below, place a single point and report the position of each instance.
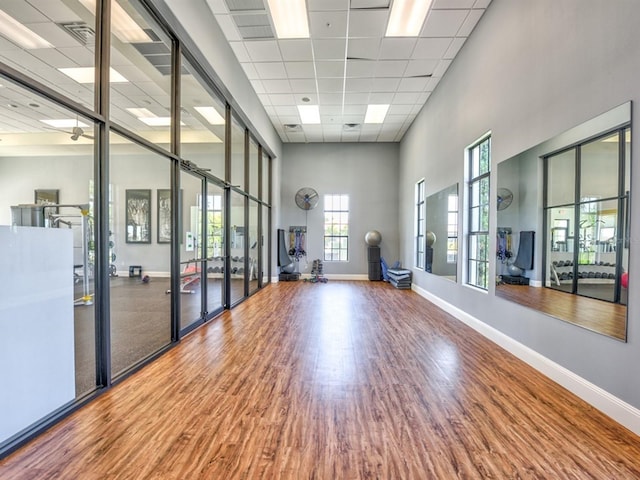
(343, 380)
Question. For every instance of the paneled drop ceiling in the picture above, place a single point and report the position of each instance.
(346, 64)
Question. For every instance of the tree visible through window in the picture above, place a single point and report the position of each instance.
(336, 228)
(478, 238)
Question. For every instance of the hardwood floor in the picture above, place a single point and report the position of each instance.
(596, 315)
(333, 381)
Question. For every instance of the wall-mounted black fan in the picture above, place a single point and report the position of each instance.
(307, 198)
(505, 197)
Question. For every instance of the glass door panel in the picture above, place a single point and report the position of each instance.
(597, 256)
(253, 246)
(215, 247)
(560, 248)
(191, 255)
(237, 245)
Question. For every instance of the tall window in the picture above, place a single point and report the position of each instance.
(452, 228)
(420, 224)
(478, 240)
(336, 228)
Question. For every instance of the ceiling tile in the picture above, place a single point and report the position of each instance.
(368, 23)
(331, 98)
(282, 99)
(241, 52)
(400, 109)
(413, 84)
(270, 70)
(330, 110)
(356, 4)
(265, 99)
(420, 67)
(303, 85)
(385, 84)
(323, 5)
(452, 4)
(289, 119)
(250, 70)
(330, 69)
(355, 110)
(364, 48)
(361, 68)
(217, 6)
(332, 123)
(433, 48)
(406, 98)
(358, 85)
(264, 51)
(328, 24)
(381, 97)
(470, 23)
(300, 69)
(23, 12)
(329, 48)
(330, 85)
(356, 98)
(277, 86)
(287, 111)
(443, 23)
(396, 48)
(454, 48)
(296, 50)
(228, 27)
(390, 68)
(258, 86)
(312, 98)
(441, 68)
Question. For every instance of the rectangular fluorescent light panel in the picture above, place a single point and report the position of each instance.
(87, 75)
(290, 18)
(309, 114)
(18, 33)
(64, 123)
(149, 118)
(122, 25)
(211, 115)
(376, 113)
(407, 17)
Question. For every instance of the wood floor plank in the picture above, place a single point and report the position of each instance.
(345, 380)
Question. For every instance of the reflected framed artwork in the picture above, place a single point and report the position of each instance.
(138, 216)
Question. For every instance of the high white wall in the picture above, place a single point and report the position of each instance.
(368, 173)
(530, 71)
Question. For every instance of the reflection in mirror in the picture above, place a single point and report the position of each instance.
(572, 192)
(441, 251)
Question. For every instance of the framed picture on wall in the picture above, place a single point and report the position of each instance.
(164, 215)
(138, 216)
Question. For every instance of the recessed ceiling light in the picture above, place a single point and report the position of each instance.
(64, 123)
(87, 75)
(290, 18)
(141, 112)
(211, 115)
(376, 113)
(18, 33)
(309, 114)
(407, 17)
(122, 25)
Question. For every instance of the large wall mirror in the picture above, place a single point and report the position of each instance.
(563, 222)
(441, 251)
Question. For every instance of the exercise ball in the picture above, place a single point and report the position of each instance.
(624, 280)
(288, 268)
(514, 271)
(373, 238)
(430, 238)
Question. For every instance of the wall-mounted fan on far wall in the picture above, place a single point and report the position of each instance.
(505, 197)
(307, 198)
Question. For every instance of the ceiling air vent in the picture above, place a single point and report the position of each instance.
(292, 127)
(81, 31)
(351, 127)
(244, 5)
(253, 25)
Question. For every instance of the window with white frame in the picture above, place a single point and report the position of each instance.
(420, 206)
(452, 228)
(479, 158)
(336, 228)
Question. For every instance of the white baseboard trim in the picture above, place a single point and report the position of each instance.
(623, 413)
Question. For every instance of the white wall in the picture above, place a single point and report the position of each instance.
(530, 71)
(368, 173)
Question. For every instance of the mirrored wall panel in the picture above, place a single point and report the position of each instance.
(563, 223)
(441, 238)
